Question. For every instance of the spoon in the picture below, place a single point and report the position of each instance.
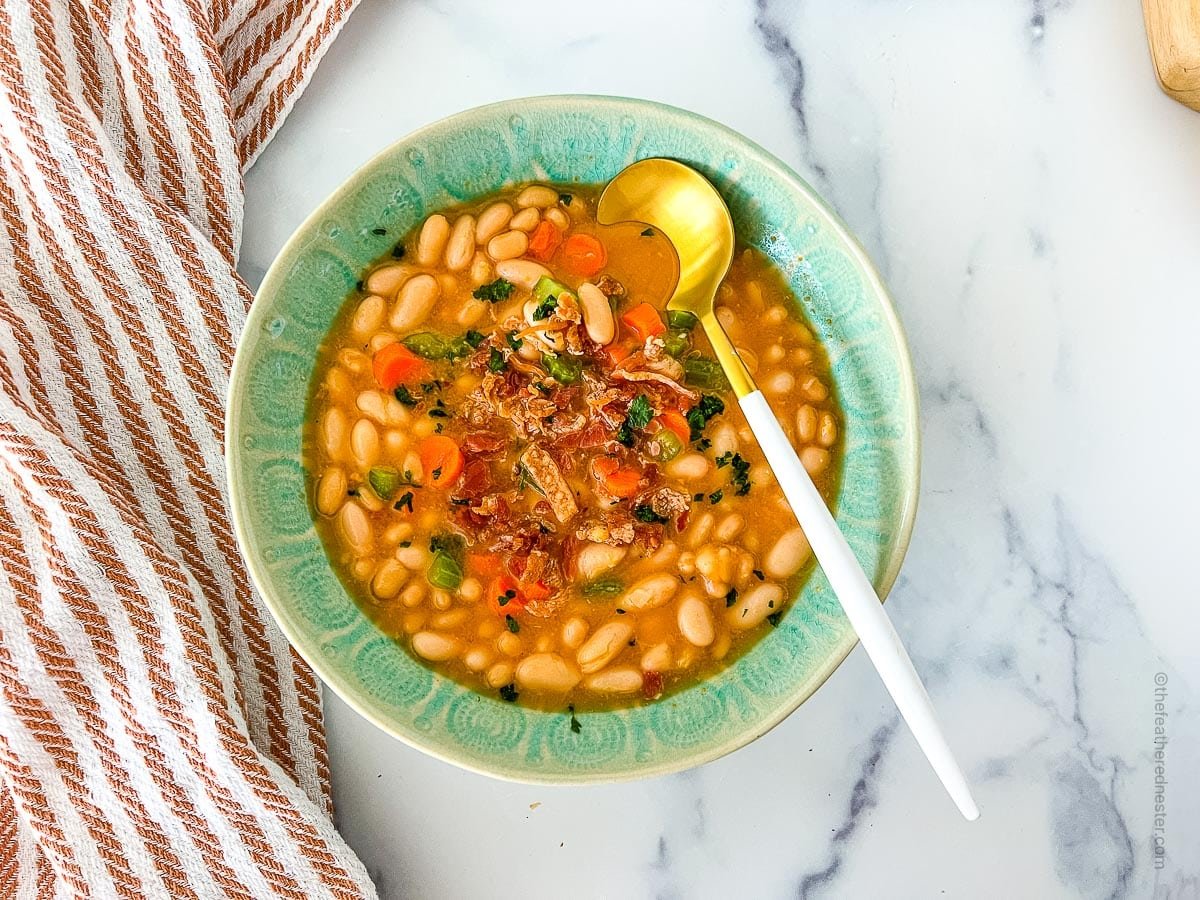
(682, 204)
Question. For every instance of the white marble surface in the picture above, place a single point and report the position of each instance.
(1034, 203)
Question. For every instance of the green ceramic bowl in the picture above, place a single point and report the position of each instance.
(563, 139)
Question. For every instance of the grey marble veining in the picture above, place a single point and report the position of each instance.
(1034, 204)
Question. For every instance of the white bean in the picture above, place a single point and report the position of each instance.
(574, 632)
(389, 578)
(433, 646)
(373, 405)
(355, 528)
(725, 439)
(381, 340)
(334, 431)
(729, 527)
(651, 592)
(780, 383)
(774, 315)
(813, 389)
(688, 466)
(603, 646)
(695, 621)
(749, 358)
(500, 674)
(477, 658)
(526, 220)
(521, 272)
(471, 312)
(537, 195)
(596, 559)
(470, 590)
(414, 303)
(369, 316)
(461, 245)
(621, 680)
(451, 619)
(597, 314)
(754, 606)
(508, 245)
(814, 459)
(547, 672)
(432, 241)
(364, 443)
(481, 269)
(413, 557)
(657, 658)
(699, 530)
(413, 593)
(789, 554)
(559, 218)
(492, 221)
(331, 491)
(827, 433)
(386, 280)
(806, 424)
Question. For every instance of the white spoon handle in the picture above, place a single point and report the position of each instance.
(858, 599)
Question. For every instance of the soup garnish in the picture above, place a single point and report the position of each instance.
(535, 477)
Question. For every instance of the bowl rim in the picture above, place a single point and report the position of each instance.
(909, 493)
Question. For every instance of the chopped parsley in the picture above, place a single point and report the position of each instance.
(513, 625)
(699, 414)
(731, 598)
(576, 727)
(406, 543)
(360, 285)
(649, 232)
(644, 512)
(460, 501)
(398, 252)
(437, 473)
(703, 444)
(404, 396)
(379, 231)
(513, 341)
(741, 471)
(565, 199)
(448, 543)
(758, 573)
(543, 309)
(496, 361)
(438, 413)
(503, 599)
(495, 291)
(405, 500)
(698, 498)
(716, 496)
(509, 694)
(638, 415)
(353, 492)
(474, 338)
(774, 618)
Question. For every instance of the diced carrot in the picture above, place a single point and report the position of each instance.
(544, 240)
(504, 596)
(675, 421)
(617, 352)
(441, 460)
(537, 590)
(644, 320)
(486, 564)
(584, 255)
(395, 365)
(617, 481)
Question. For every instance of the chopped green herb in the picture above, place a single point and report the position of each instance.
(723, 460)
(741, 471)
(460, 501)
(437, 473)
(544, 388)
(545, 308)
(447, 542)
(398, 252)
(676, 342)
(731, 598)
(716, 496)
(774, 618)
(495, 291)
(514, 342)
(360, 285)
(649, 232)
(638, 415)
(496, 361)
(565, 199)
(439, 427)
(602, 587)
(699, 415)
(405, 501)
(509, 694)
(698, 498)
(758, 573)
(513, 625)
(405, 543)
(379, 231)
(703, 444)
(644, 512)
(402, 394)
(353, 492)
(438, 413)
(576, 727)
(430, 386)
(503, 599)
(474, 338)
(620, 612)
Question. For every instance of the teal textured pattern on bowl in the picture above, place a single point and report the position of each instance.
(586, 140)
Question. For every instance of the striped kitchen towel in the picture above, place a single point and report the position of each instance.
(158, 738)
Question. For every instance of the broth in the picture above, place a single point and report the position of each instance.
(536, 479)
